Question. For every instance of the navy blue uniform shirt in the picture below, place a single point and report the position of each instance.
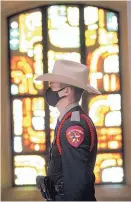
(76, 164)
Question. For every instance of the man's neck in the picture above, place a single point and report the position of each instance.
(64, 109)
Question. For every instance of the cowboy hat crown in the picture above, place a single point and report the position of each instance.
(71, 73)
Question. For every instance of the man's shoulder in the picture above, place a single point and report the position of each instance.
(76, 118)
(76, 129)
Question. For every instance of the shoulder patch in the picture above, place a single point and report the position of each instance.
(75, 116)
(75, 135)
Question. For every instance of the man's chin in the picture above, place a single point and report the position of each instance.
(58, 106)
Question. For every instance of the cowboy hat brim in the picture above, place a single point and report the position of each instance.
(53, 77)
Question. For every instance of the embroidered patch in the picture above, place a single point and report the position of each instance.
(75, 135)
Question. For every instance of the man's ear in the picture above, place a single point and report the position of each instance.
(67, 91)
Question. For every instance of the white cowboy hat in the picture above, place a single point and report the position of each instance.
(69, 72)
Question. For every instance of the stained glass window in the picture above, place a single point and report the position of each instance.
(37, 38)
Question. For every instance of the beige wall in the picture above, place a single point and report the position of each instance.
(109, 192)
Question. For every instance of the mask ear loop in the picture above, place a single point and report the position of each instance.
(61, 90)
(56, 91)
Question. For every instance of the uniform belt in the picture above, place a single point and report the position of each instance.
(59, 189)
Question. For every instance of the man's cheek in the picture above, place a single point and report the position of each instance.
(55, 88)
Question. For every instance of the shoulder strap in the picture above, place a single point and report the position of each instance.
(75, 116)
(91, 128)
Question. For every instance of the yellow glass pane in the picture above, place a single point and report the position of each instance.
(111, 138)
(109, 168)
(27, 167)
(101, 18)
(106, 38)
(105, 110)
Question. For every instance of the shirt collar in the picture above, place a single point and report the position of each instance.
(68, 108)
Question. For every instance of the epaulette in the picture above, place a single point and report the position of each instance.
(75, 116)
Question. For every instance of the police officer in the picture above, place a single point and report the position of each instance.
(73, 152)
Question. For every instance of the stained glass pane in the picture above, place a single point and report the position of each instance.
(109, 168)
(109, 138)
(105, 111)
(27, 167)
(64, 34)
(29, 124)
(63, 43)
(26, 56)
(102, 49)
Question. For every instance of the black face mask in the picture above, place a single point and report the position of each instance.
(52, 97)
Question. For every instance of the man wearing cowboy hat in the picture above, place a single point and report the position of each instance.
(73, 152)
